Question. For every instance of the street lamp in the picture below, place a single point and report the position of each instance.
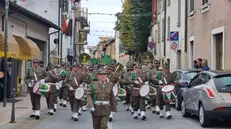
(74, 8)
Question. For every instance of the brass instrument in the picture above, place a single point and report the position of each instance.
(118, 67)
(84, 58)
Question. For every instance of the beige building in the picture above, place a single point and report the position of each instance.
(111, 48)
(209, 27)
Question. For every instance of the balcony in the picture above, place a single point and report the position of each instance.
(81, 15)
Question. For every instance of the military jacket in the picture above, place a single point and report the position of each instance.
(52, 78)
(101, 92)
(74, 79)
(134, 76)
(34, 75)
(113, 77)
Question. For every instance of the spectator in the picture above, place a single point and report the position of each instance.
(199, 63)
(195, 65)
(205, 66)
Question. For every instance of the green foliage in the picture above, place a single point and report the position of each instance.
(134, 24)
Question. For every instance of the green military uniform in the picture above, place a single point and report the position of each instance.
(101, 101)
(165, 78)
(85, 77)
(139, 102)
(74, 81)
(51, 79)
(34, 75)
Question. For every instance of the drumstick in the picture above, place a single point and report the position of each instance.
(76, 81)
(140, 79)
(107, 80)
(35, 76)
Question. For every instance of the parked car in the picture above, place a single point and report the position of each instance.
(181, 77)
(208, 96)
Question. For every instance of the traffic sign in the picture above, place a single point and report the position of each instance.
(174, 46)
(174, 36)
(151, 45)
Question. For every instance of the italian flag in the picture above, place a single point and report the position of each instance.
(65, 24)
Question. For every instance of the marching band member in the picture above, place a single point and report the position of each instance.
(101, 100)
(63, 91)
(139, 78)
(52, 97)
(34, 75)
(85, 77)
(151, 75)
(113, 78)
(74, 81)
(164, 78)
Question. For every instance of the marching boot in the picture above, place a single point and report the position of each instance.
(148, 106)
(37, 114)
(55, 107)
(61, 102)
(64, 103)
(111, 117)
(138, 112)
(80, 111)
(168, 115)
(157, 110)
(127, 108)
(32, 114)
(161, 114)
(51, 112)
(153, 110)
(84, 108)
(75, 117)
(135, 115)
(131, 109)
(143, 116)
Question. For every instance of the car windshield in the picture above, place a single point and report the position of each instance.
(223, 83)
(189, 75)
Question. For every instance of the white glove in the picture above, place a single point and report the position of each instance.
(136, 82)
(71, 89)
(160, 82)
(92, 110)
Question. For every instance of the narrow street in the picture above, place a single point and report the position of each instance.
(123, 120)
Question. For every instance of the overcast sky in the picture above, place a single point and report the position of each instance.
(99, 23)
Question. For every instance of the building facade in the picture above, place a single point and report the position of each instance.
(208, 32)
(170, 18)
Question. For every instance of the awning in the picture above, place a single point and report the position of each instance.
(28, 49)
(13, 48)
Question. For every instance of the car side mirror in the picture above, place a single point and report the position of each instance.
(185, 84)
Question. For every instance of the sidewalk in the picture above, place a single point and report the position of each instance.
(22, 107)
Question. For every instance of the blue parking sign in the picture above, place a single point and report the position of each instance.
(174, 36)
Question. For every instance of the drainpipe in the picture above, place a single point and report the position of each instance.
(186, 27)
(49, 44)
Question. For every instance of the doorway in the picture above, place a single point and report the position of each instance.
(192, 54)
(218, 44)
(179, 59)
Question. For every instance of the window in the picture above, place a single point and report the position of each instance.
(192, 6)
(169, 27)
(223, 83)
(204, 78)
(205, 2)
(169, 2)
(159, 32)
(189, 75)
(195, 81)
(163, 30)
(177, 75)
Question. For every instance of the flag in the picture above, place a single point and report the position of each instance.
(65, 24)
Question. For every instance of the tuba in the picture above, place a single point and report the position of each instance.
(118, 67)
(84, 58)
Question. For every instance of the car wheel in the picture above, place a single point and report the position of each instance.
(183, 110)
(178, 103)
(203, 118)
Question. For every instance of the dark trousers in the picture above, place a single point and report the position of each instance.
(75, 104)
(152, 101)
(139, 103)
(51, 100)
(35, 101)
(100, 122)
(65, 93)
(60, 93)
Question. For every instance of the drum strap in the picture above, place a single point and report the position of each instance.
(93, 92)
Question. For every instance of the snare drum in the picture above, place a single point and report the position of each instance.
(79, 93)
(41, 88)
(115, 90)
(168, 93)
(122, 94)
(144, 90)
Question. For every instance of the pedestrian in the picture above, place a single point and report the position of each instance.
(195, 65)
(199, 63)
(101, 100)
(205, 66)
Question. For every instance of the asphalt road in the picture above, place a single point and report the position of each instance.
(123, 120)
